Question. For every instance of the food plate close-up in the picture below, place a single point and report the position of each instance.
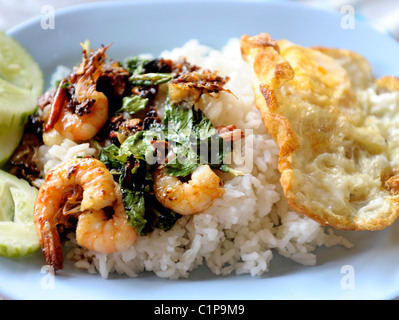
(260, 237)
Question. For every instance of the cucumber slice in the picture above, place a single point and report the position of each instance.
(7, 204)
(18, 235)
(17, 239)
(16, 104)
(9, 140)
(18, 67)
(21, 82)
(24, 201)
(23, 196)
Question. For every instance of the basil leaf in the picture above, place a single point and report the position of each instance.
(182, 166)
(150, 79)
(193, 140)
(227, 169)
(135, 65)
(178, 128)
(165, 218)
(177, 118)
(110, 157)
(139, 146)
(135, 209)
(133, 104)
(202, 126)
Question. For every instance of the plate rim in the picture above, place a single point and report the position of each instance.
(85, 6)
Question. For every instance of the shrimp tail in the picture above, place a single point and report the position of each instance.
(59, 101)
(52, 247)
(89, 182)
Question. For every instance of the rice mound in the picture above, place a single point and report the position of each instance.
(242, 231)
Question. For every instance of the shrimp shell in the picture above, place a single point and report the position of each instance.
(190, 197)
(88, 178)
(98, 232)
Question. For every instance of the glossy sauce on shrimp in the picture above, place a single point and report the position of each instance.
(89, 181)
(190, 197)
(79, 111)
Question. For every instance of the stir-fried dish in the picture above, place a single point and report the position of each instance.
(149, 170)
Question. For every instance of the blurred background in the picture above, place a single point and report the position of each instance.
(382, 14)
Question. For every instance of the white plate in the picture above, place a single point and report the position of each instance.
(153, 27)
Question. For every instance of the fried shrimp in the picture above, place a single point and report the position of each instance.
(78, 110)
(188, 88)
(189, 197)
(69, 190)
(98, 232)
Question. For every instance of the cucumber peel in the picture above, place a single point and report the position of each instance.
(7, 204)
(18, 235)
(9, 140)
(17, 239)
(21, 83)
(18, 67)
(16, 104)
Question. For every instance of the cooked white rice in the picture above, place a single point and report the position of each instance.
(244, 229)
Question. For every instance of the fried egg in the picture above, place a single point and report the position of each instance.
(337, 128)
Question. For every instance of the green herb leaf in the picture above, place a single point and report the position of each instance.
(133, 104)
(135, 209)
(135, 65)
(110, 157)
(182, 166)
(150, 79)
(165, 218)
(193, 140)
(227, 169)
(139, 146)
